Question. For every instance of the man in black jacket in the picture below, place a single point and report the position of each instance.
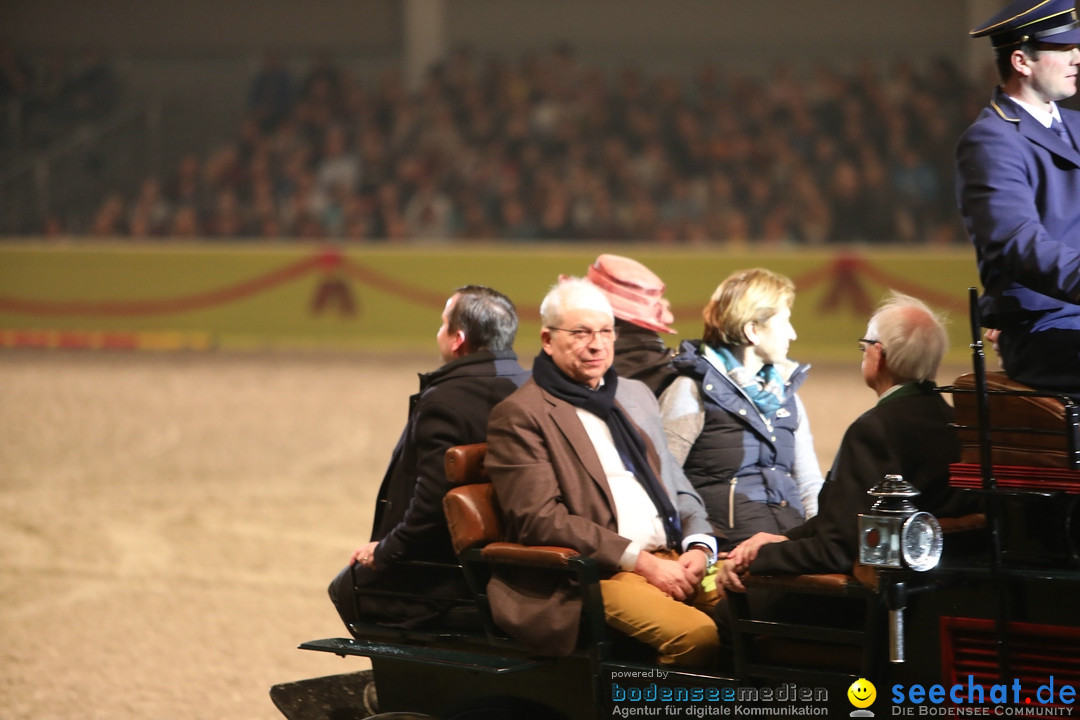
(476, 343)
(906, 433)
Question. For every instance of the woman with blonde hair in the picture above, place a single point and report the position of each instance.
(733, 416)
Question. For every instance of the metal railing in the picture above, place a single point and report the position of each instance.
(67, 180)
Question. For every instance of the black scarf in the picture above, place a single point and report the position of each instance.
(631, 446)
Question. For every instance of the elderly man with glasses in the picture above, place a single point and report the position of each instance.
(906, 433)
(571, 468)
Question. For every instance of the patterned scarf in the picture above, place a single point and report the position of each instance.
(629, 443)
(765, 390)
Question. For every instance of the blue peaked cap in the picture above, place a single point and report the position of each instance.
(1048, 21)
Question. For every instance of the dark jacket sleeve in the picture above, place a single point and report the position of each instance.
(829, 541)
(438, 425)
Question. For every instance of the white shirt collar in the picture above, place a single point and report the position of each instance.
(1045, 118)
(890, 391)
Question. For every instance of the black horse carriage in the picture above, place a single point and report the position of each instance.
(967, 616)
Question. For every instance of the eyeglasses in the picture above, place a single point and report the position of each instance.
(582, 336)
(864, 342)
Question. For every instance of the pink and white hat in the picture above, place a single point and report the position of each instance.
(635, 292)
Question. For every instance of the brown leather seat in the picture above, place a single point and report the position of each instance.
(472, 514)
(470, 504)
(464, 464)
(476, 531)
(1025, 429)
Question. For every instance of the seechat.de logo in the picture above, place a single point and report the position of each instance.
(1050, 699)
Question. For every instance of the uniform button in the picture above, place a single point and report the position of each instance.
(783, 503)
(708, 387)
(774, 438)
(742, 411)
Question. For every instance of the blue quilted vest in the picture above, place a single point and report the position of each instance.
(737, 445)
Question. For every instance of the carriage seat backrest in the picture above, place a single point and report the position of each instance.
(1024, 429)
(472, 513)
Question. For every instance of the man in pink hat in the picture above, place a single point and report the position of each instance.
(641, 314)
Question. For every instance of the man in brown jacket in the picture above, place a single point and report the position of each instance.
(571, 469)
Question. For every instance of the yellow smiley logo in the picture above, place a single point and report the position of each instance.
(862, 693)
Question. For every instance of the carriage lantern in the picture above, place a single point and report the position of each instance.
(896, 536)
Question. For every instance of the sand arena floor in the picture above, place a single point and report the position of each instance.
(169, 522)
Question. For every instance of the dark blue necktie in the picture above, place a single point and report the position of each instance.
(1062, 132)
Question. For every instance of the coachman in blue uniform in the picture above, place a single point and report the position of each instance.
(1018, 186)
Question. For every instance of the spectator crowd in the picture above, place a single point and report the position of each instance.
(44, 99)
(547, 148)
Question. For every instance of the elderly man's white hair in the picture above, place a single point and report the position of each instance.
(912, 335)
(573, 293)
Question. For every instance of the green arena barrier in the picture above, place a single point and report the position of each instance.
(382, 298)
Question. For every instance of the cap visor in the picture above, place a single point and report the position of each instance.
(1069, 37)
